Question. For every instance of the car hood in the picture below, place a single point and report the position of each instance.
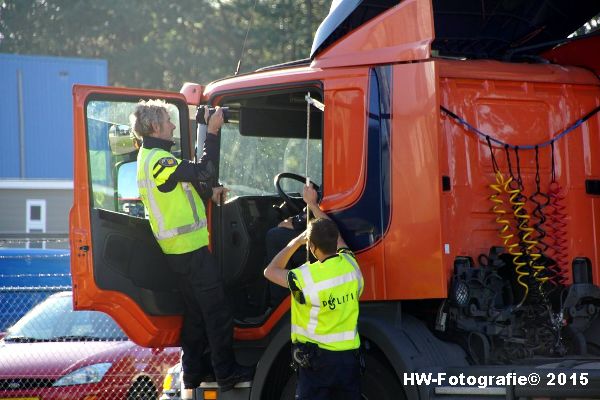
(54, 359)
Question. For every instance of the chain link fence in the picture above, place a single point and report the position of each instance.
(34, 241)
(49, 351)
(27, 277)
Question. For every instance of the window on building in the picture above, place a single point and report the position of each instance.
(36, 213)
(35, 221)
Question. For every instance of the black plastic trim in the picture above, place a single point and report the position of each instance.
(592, 186)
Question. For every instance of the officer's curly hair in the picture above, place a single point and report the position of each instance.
(323, 234)
(146, 113)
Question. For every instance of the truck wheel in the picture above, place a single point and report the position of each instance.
(378, 383)
(289, 390)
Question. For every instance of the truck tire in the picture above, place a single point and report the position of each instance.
(379, 382)
(289, 390)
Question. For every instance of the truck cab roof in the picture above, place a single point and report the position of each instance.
(496, 29)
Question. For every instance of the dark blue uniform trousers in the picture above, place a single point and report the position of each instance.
(333, 375)
(207, 331)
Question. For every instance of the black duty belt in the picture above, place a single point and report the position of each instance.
(303, 354)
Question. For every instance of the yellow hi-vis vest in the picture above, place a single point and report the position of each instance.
(177, 218)
(329, 315)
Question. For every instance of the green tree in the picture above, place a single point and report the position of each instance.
(163, 44)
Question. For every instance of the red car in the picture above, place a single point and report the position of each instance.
(56, 353)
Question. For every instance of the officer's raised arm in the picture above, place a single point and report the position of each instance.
(203, 170)
(275, 271)
(309, 195)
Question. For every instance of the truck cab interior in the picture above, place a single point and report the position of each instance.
(263, 162)
(263, 157)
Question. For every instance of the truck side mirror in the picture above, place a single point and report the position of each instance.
(128, 196)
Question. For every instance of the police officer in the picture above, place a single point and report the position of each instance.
(171, 190)
(324, 307)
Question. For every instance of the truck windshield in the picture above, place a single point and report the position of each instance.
(248, 164)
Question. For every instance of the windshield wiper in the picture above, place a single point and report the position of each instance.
(23, 339)
(66, 338)
(76, 338)
(85, 338)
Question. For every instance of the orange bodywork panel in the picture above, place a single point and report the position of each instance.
(344, 141)
(413, 267)
(193, 93)
(143, 329)
(403, 33)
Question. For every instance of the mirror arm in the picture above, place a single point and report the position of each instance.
(200, 138)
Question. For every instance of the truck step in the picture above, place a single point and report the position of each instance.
(211, 391)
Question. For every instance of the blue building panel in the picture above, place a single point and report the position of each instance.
(27, 277)
(9, 123)
(46, 106)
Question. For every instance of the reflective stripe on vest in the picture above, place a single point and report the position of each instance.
(312, 289)
(329, 338)
(354, 264)
(149, 185)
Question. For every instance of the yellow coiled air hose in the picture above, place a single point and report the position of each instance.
(501, 186)
(530, 244)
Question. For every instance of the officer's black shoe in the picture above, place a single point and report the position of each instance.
(197, 380)
(240, 374)
(209, 378)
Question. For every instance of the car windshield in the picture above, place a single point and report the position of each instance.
(55, 320)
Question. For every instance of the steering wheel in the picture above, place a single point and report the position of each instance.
(292, 202)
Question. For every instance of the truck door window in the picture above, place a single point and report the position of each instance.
(112, 152)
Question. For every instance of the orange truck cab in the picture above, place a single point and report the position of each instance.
(458, 150)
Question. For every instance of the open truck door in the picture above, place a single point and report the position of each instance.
(116, 264)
